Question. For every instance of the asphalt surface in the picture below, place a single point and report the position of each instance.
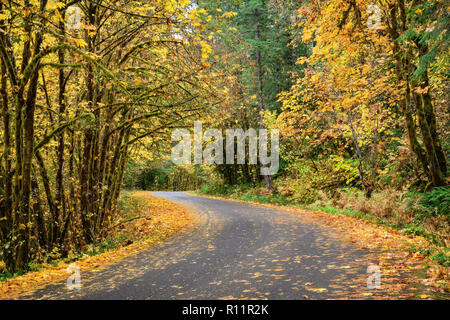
(238, 251)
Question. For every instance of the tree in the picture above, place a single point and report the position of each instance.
(75, 100)
(360, 81)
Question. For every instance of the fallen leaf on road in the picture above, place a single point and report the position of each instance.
(318, 289)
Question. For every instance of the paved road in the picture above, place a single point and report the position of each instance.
(239, 251)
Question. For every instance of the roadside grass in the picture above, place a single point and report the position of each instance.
(140, 221)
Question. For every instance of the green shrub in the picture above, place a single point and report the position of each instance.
(436, 202)
(205, 188)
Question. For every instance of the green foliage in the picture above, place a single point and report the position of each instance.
(443, 257)
(5, 275)
(205, 188)
(278, 57)
(347, 167)
(275, 198)
(436, 202)
(159, 176)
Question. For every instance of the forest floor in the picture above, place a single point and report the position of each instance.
(239, 250)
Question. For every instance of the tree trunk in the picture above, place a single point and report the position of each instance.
(261, 108)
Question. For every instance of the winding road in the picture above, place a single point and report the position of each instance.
(238, 251)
